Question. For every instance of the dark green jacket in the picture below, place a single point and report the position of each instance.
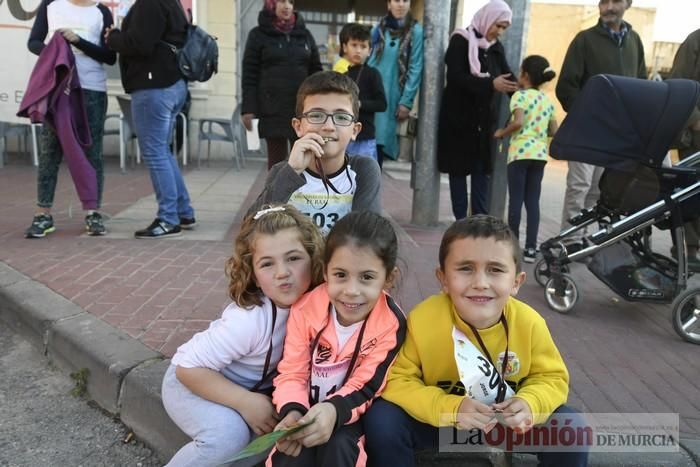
(686, 65)
(593, 52)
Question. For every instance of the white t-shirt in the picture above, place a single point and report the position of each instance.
(87, 22)
(237, 343)
(343, 333)
(326, 205)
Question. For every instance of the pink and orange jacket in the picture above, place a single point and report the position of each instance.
(384, 333)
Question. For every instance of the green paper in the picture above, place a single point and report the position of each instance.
(265, 442)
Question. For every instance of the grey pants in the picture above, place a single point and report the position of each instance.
(218, 432)
(692, 228)
(581, 192)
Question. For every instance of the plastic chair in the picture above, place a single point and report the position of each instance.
(221, 129)
(23, 133)
(126, 132)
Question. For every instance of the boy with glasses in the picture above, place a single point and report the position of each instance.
(319, 178)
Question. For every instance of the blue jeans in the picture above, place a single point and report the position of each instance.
(392, 436)
(479, 191)
(525, 185)
(154, 112)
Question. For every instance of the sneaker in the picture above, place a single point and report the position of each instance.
(187, 224)
(94, 224)
(41, 225)
(159, 229)
(529, 255)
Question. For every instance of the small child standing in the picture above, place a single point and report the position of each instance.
(319, 178)
(372, 99)
(533, 120)
(341, 339)
(218, 388)
(471, 352)
(341, 66)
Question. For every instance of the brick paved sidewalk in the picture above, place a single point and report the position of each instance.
(623, 357)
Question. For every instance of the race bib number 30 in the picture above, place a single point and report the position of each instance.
(478, 375)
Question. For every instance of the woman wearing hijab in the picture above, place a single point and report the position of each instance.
(279, 54)
(397, 52)
(476, 71)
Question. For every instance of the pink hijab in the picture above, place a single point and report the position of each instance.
(284, 26)
(493, 12)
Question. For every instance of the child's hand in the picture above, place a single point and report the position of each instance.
(305, 150)
(286, 445)
(499, 133)
(516, 414)
(259, 413)
(474, 414)
(321, 429)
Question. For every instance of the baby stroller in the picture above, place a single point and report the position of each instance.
(627, 126)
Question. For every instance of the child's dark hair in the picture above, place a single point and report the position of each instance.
(328, 82)
(479, 226)
(343, 38)
(364, 229)
(538, 70)
(268, 221)
(354, 31)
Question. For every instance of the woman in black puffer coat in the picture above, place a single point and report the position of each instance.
(279, 54)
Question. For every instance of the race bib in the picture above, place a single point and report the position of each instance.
(326, 379)
(478, 375)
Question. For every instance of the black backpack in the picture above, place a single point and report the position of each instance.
(198, 58)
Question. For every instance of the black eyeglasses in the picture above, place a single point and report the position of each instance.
(318, 117)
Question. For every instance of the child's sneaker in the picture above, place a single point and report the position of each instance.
(529, 255)
(94, 224)
(41, 225)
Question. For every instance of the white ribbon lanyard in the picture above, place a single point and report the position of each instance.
(478, 374)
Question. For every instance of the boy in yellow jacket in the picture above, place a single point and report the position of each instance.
(448, 371)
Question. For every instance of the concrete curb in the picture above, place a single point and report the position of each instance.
(125, 376)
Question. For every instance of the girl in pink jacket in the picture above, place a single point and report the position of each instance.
(342, 337)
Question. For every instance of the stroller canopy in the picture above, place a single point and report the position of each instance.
(620, 122)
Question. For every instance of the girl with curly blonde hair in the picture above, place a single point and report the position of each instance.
(218, 387)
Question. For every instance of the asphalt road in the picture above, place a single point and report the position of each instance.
(42, 424)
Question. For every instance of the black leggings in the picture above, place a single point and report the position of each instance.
(525, 186)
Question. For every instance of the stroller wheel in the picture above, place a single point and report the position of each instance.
(686, 315)
(542, 272)
(565, 303)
